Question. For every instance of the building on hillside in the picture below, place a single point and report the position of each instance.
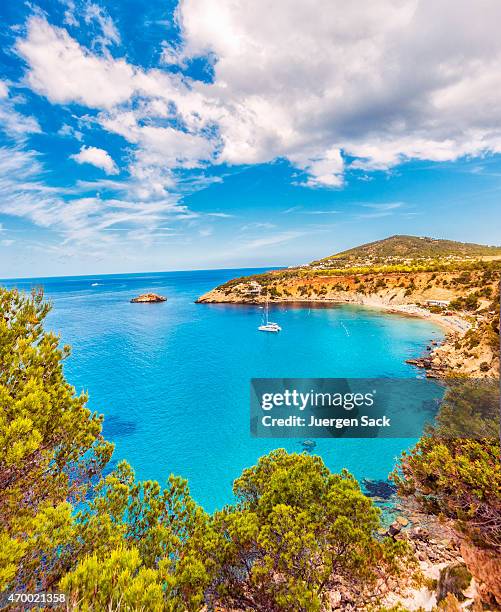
(253, 288)
(442, 303)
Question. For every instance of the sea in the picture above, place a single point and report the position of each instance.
(173, 379)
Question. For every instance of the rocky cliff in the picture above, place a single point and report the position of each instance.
(457, 284)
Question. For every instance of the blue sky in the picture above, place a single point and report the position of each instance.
(148, 136)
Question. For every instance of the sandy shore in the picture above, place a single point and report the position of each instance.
(449, 323)
(452, 323)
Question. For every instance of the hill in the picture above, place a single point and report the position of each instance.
(405, 249)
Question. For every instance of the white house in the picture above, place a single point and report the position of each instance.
(442, 303)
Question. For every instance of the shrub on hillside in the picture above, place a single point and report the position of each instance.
(454, 470)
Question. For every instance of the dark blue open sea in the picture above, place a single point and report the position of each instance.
(172, 379)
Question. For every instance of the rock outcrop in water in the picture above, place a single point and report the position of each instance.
(148, 298)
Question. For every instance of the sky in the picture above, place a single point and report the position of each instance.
(156, 135)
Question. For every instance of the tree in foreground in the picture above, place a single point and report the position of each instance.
(58, 511)
(454, 472)
(51, 448)
(296, 533)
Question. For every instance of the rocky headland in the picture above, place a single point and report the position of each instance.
(454, 284)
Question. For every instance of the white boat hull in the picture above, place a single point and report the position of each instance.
(269, 328)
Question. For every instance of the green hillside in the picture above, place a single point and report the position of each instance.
(407, 248)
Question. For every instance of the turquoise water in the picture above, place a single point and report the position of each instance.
(172, 379)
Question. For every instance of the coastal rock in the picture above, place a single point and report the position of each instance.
(485, 565)
(455, 579)
(148, 298)
(416, 362)
(394, 529)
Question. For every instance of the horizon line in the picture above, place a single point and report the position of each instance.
(14, 278)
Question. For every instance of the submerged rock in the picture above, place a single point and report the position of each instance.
(308, 445)
(148, 298)
(379, 488)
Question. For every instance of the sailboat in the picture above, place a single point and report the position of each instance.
(268, 326)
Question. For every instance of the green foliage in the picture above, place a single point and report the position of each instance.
(436, 309)
(296, 532)
(110, 542)
(464, 278)
(155, 521)
(52, 456)
(415, 247)
(11, 552)
(406, 255)
(453, 579)
(50, 444)
(118, 581)
(468, 302)
(457, 476)
(472, 338)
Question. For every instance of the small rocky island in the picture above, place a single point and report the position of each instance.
(148, 298)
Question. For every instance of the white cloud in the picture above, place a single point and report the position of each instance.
(204, 232)
(323, 171)
(171, 54)
(384, 205)
(268, 241)
(380, 209)
(176, 148)
(69, 131)
(14, 123)
(110, 34)
(321, 212)
(63, 71)
(330, 86)
(97, 157)
(384, 82)
(81, 220)
(69, 14)
(257, 225)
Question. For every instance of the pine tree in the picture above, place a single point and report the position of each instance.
(51, 447)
